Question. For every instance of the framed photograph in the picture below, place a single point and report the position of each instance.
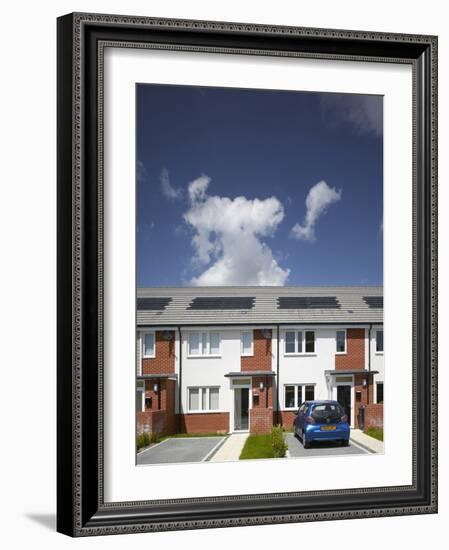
(247, 288)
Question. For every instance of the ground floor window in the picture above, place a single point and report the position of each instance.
(296, 394)
(379, 392)
(203, 399)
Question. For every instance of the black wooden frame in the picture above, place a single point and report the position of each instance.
(81, 509)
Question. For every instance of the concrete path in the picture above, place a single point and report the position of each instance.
(373, 445)
(320, 448)
(231, 448)
(180, 449)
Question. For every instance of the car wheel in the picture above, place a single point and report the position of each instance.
(345, 443)
(306, 444)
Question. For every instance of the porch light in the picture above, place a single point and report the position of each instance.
(155, 387)
(261, 385)
(364, 383)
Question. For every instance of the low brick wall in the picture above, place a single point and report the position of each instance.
(153, 422)
(286, 418)
(374, 415)
(261, 420)
(205, 422)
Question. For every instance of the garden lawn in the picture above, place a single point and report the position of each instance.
(377, 433)
(257, 446)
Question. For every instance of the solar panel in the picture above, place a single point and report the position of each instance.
(308, 302)
(375, 302)
(222, 302)
(153, 304)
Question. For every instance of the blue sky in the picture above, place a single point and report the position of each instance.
(239, 186)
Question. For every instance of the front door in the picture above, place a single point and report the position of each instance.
(241, 409)
(344, 398)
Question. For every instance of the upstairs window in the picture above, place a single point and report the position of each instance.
(204, 343)
(341, 341)
(148, 348)
(299, 342)
(379, 341)
(246, 343)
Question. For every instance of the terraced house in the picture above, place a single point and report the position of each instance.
(231, 359)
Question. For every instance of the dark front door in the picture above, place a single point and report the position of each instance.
(344, 398)
(241, 409)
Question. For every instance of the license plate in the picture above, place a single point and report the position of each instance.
(328, 428)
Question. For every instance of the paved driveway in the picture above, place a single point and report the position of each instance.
(181, 449)
(324, 448)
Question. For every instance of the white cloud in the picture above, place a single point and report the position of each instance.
(319, 198)
(363, 112)
(166, 187)
(141, 172)
(227, 240)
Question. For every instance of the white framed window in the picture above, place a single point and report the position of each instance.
(379, 341)
(296, 394)
(148, 344)
(204, 344)
(203, 399)
(246, 343)
(340, 341)
(299, 342)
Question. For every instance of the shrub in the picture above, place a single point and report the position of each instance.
(140, 441)
(144, 439)
(277, 442)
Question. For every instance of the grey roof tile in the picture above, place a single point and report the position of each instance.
(353, 308)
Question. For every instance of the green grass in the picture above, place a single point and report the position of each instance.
(377, 433)
(257, 446)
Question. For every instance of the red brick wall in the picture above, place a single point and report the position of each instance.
(260, 420)
(358, 387)
(205, 422)
(144, 421)
(355, 351)
(286, 418)
(156, 397)
(261, 358)
(161, 417)
(265, 395)
(374, 415)
(152, 422)
(164, 362)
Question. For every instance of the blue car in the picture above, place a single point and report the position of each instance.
(321, 421)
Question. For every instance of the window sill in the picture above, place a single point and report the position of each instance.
(300, 354)
(203, 356)
(148, 356)
(205, 412)
(378, 352)
(341, 353)
(247, 355)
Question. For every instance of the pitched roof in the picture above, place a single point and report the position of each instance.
(263, 308)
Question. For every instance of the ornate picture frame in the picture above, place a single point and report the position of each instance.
(81, 507)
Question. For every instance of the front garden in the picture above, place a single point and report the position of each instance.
(270, 445)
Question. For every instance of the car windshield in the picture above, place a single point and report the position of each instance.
(327, 410)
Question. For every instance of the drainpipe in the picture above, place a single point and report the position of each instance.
(180, 381)
(369, 363)
(277, 376)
